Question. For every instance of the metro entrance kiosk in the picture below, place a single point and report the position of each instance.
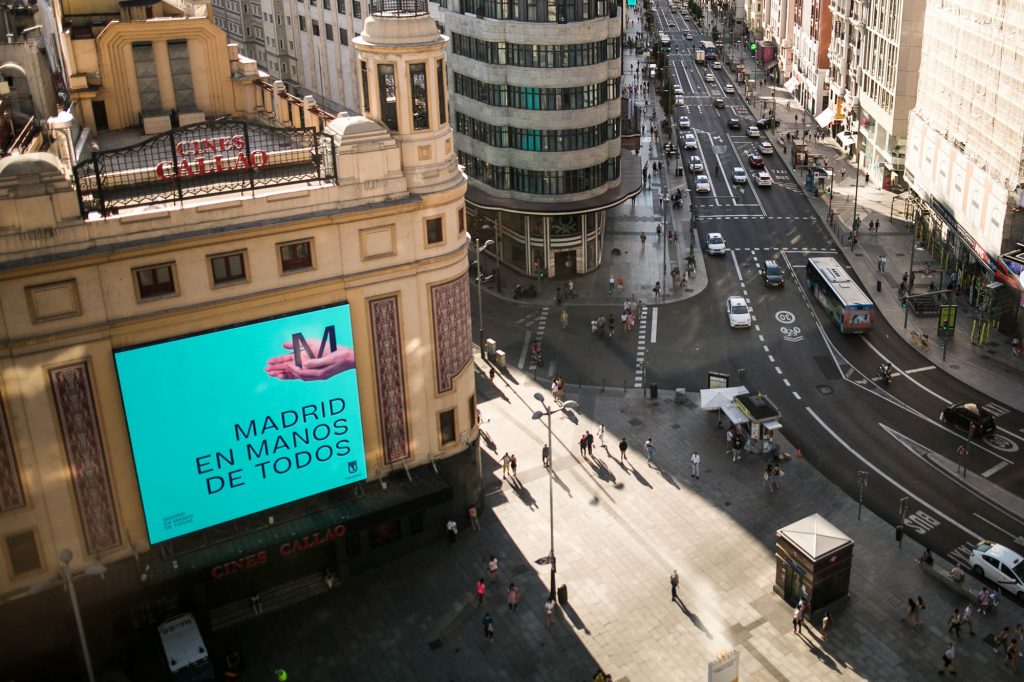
(757, 418)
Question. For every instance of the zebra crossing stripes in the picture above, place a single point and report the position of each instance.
(758, 217)
(542, 323)
(996, 409)
(641, 349)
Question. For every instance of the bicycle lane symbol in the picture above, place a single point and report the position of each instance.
(784, 317)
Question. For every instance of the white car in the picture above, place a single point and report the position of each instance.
(677, 89)
(689, 36)
(716, 64)
(696, 164)
(752, 131)
(738, 312)
(763, 179)
(709, 77)
(689, 141)
(739, 176)
(715, 244)
(679, 101)
(684, 122)
(729, 89)
(1001, 565)
(765, 147)
(702, 185)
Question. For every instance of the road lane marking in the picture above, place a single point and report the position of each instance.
(909, 378)
(995, 469)
(797, 395)
(786, 381)
(654, 325)
(736, 264)
(1000, 528)
(526, 347)
(919, 369)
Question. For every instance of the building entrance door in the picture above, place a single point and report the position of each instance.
(565, 263)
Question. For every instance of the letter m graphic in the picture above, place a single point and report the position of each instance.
(299, 345)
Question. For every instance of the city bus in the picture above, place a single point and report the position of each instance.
(845, 302)
(710, 51)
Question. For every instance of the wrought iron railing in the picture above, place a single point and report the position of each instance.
(404, 8)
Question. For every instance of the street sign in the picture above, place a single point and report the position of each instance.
(947, 320)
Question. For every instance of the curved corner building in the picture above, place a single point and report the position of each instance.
(536, 106)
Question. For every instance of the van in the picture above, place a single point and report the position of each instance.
(654, 70)
(185, 650)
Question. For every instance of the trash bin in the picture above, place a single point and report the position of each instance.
(654, 391)
(563, 595)
(680, 396)
(679, 171)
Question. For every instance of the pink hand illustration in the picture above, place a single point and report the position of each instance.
(312, 369)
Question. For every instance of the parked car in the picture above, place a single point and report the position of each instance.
(772, 275)
(684, 122)
(715, 244)
(709, 77)
(689, 141)
(765, 147)
(756, 161)
(1001, 565)
(752, 131)
(739, 176)
(768, 123)
(702, 184)
(734, 124)
(965, 415)
(696, 164)
(737, 311)
(729, 89)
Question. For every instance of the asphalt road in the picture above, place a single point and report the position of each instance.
(824, 382)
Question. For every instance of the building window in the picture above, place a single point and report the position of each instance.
(442, 99)
(316, 27)
(329, 31)
(357, 10)
(387, 92)
(418, 81)
(154, 281)
(472, 410)
(23, 553)
(228, 268)
(327, 5)
(435, 231)
(462, 220)
(343, 36)
(296, 256)
(181, 75)
(302, 23)
(447, 424)
(363, 71)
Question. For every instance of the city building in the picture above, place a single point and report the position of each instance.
(236, 354)
(537, 106)
(812, 34)
(778, 31)
(965, 149)
(875, 57)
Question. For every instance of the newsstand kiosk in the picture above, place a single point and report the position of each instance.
(813, 559)
(757, 418)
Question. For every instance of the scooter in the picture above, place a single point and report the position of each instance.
(885, 374)
(519, 291)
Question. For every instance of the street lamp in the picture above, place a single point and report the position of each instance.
(65, 572)
(479, 291)
(856, 172)
(547, 411)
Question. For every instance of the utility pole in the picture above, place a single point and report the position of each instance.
(862, 482)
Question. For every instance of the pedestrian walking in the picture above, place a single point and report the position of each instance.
(798, 620)
(842, 173)
(513, 598)
(492, 568)
(775, 478)
(505, 461)
(649, 449)
(590, 443)
(474, 521)
(1011, 655)
(452, 529)
(600, 433)
(765, 480)
(695, 465)
(611, 325)
(955, 622)
(984, 601)
(545, 456)
(611, 284)
(564, 319)
(826, 626)
(911, 610)
(256, 604)
(996, 597)
(481, 590)
(514, 463)
(488, 628)
(879, 262)
(884, 258)
(549, 611)
(947, 659)
(918, 611)
(643, 239)
(583, 445)
(674, 582)
(622, 450)
(967, 618)
(1002, 639)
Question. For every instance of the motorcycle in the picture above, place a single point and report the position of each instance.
(885, 374)
(519, 291)
(536, 357)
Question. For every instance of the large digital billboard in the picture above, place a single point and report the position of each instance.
(234, 421)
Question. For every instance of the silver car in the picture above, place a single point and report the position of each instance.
(702, 184)
(696, 164)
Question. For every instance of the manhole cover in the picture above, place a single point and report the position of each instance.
(635, 422)
(825, 390)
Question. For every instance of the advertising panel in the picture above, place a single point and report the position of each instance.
(234, 421)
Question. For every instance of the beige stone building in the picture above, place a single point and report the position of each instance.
(165, 237)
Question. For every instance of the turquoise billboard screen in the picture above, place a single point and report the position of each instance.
(235, 421)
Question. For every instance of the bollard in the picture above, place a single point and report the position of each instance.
(499, 360)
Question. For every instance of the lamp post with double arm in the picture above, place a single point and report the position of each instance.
(479, 291)
(546, 411)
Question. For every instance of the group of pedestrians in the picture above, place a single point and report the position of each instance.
(512, 598)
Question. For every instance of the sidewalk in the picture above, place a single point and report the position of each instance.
(619, 531)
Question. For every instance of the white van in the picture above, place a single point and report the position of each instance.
(187, 656)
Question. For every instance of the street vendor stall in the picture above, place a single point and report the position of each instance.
(757, 418)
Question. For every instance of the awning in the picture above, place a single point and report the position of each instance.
(734, 414)
(791, 85)
(772, 425)
(716, 398)
(771, 65)
(825, 117)
(846, 139)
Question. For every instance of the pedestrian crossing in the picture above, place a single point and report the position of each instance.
(542, 323)
(641, 349)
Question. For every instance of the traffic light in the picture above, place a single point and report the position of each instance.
(753, 47)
